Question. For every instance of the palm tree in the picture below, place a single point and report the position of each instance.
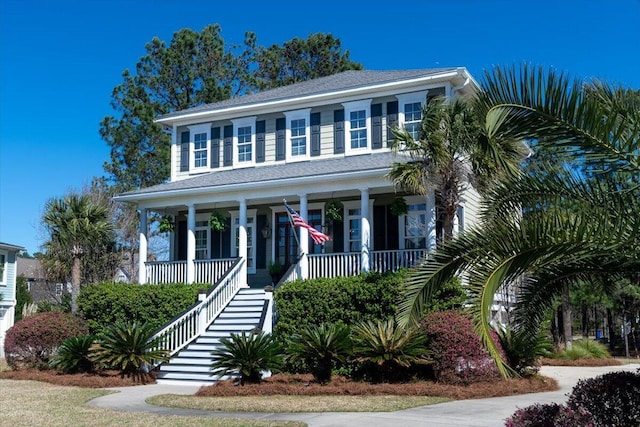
(450, 154)
(553, 229)
(75, 225)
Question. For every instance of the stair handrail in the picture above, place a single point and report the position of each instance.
(181, 330)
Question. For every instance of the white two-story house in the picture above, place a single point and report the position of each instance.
(319, 143)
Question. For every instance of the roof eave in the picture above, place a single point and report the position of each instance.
(322, 96)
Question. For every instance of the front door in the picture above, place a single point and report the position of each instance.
(286, 243)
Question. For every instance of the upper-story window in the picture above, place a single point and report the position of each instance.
(244, 136)
(200, 145)
(298, 134)
(200, 150)
(358, 125)
(411, 111)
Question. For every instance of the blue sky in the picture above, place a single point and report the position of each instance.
(60, 60)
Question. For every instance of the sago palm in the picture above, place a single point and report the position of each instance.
(388, 346)
(320, 347)
(247, 355)
(74, 355)
(552, 229)
(129, 347)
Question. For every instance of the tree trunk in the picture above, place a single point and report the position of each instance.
(612, 328)
(75, 284)
(566, 316)
(585, 321)
(556, 332)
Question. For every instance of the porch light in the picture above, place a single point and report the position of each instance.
(266, 231)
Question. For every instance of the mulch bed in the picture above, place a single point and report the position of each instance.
(101, 380)
(580, 362)
(303, 385)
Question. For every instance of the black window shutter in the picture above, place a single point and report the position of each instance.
(392, 120)
(376, 126)
(228, 145)
(281, 126)
(184, 151)
(338, 131)
(215, 147)
(315, 134)
(260, 148)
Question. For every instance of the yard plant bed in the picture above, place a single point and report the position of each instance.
(303, 385)
(101, 380)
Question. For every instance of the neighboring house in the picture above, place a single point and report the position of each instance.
(8, 254)
(313, 142)
(40, 288)
(121, 276)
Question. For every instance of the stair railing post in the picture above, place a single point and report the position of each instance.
(202, 312)
(267, 327)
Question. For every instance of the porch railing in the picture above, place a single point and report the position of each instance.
(187, 326)
(206, 271)
(349, 264)
(166, 272)
(211, 270)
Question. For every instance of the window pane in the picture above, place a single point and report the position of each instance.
(358, 123)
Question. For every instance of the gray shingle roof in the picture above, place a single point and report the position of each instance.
(270, 173)
(337, 82)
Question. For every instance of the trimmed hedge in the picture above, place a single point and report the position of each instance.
(104, 304)
(303, 303)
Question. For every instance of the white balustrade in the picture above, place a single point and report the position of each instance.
(211, 270)
(166, 272)
(194, 321)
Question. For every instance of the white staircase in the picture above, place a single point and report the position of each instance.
(191, 365)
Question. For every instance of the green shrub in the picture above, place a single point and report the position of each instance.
(23, 297)
(585, 349)
(247, 355)
(388, 349)
(523, 348)
(127, 346)
(31, 342)
(73, 355)
(347, 299)
(319, 347)
(106, 303)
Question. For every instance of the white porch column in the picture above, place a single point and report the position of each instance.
(365, 229)
(142, 250)
(242, 240)
(304, 238)
(191, 243)
(431, 221)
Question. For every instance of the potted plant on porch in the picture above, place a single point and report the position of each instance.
(276, 270)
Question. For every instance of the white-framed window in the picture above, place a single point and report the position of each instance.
(59, 289)
(410, 111)
(200, 137)
(251, 238)
(298, 134)
(357, 116)
(244, 141)
(4, 259)
(203, 237)
(414, 225)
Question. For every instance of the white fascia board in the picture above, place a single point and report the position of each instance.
(309, 100)
(333, 179)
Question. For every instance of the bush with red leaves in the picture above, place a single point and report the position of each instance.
(31, 342)
(458, 355)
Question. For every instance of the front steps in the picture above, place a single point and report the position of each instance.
(191, 366)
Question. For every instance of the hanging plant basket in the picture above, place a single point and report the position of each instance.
(399, 206)
(166, 225)
(218, 221)
(333, 211)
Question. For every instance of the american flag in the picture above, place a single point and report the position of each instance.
(317, 236)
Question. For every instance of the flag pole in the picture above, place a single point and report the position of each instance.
(293, 227)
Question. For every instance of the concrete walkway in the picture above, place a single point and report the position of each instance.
(471, 413)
